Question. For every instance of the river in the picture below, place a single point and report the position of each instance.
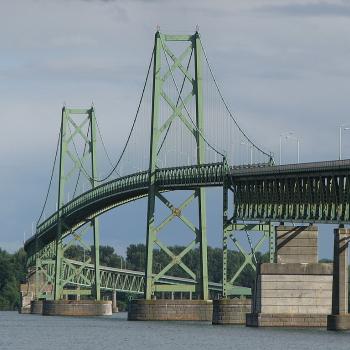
(34, 332)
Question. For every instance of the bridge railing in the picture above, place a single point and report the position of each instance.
(206, 174)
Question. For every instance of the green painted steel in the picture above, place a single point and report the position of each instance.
(261, 194)
(120, 280)
(231, 228)
(121, 191)
(158, 129)
(311, 192)
(73, 123)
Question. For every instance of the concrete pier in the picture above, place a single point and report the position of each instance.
(36, 307)
(170, 310)
(77, 308)
(292, 295)
(340, 318)
(231, 311)
(26, 298)
(297, 290)
(296, 244)
(114, 302)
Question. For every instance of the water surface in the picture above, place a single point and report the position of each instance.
(34, 332)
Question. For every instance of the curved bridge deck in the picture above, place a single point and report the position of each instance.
(308, 192)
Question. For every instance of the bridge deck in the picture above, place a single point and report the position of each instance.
(308, 192)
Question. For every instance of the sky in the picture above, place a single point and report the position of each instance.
(282, 66)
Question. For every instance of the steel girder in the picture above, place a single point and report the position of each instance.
(112, 279)
(120, 191)
(321, 190)
(304, 198)
(231, 228)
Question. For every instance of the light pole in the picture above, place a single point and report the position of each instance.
(289, 135)
(341, 127)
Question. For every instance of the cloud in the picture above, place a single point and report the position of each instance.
(281, 71)
(309, 8)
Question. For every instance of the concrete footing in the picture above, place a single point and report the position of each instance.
(36, 307)
(77, 308)
(24, 310)
(339, 319)
(338, 322)
(170, 310)
(114, 302)
(286, 320)
(115, 310)
(231, 311)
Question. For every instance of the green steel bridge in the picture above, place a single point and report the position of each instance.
(255, 195)
(115, 279)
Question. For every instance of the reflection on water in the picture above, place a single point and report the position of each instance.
(33, 332)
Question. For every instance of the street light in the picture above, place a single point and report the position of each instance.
(341, 127)
(290, 135)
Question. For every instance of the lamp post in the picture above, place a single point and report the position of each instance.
(341, 128)
(289, 135)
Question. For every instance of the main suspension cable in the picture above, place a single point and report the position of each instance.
(227, 108)
(128, 138)
(104, 147)
(51, 178)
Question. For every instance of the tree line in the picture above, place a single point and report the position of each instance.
(12, 273)
(13, 266)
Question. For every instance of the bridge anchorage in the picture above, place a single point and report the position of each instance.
(291, 287)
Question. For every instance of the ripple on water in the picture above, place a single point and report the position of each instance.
(33, 332)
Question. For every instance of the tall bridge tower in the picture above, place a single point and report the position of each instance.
(76, 123)
(169, 67)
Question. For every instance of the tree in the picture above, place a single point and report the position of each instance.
(12, 270)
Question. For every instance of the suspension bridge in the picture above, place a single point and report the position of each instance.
(194, 142)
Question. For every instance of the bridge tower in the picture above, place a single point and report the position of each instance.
(76, 124)
(162, 71)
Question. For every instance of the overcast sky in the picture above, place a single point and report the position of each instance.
(282, 66)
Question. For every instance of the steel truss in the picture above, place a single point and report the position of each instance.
(76, 123)
(112, 279)
(161, 49)
(313, 196)
(230, 233)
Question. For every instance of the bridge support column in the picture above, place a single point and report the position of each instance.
(36, 307)
(340, 318)
(297, 290)
(170, 310)
(162, 122)
(71, 165)
(231, 311)
(77, 308)
(114, 302)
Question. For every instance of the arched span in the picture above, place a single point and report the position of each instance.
(308, 192)
(121, 191)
